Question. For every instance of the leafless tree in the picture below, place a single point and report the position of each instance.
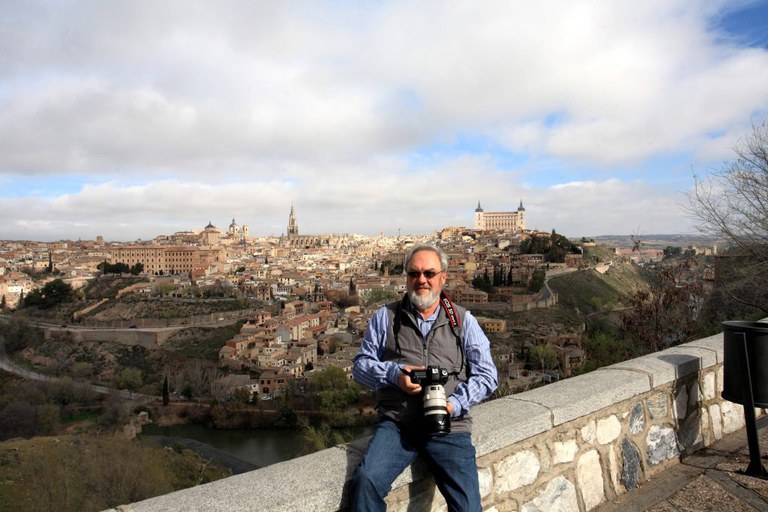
(731, 204)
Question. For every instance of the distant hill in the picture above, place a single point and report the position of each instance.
(658, 241)
(592, 292)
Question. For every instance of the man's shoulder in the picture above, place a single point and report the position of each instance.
(392, 307)
(386, 311)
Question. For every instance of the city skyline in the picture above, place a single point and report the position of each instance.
(136, 119)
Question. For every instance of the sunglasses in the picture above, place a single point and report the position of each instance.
(429, 274)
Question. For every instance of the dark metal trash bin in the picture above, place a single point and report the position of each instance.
(745, 372)
(755, 334)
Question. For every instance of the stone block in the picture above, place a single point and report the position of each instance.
(505, 421)
(631, 468)
(589, 432)
(720, 380)
(516, 471)
(717, 421)
(589, 475)
(690, 431)
(564, 451)
(712, 343)
(669, 365)
(658, 406)
(701, 358)
(708, 386)
(694, 396)
(559, 494)
(733, 416)
(636, 419)
(681, 402)
(661, 444)
(613, 468)
(579, 396)
(485, 477)
(608, 429)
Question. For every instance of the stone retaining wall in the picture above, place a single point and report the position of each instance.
(567, 446)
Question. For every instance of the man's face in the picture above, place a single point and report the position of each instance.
(423, 291)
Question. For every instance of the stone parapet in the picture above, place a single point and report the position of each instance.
(568, 446)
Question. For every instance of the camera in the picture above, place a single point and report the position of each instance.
(437, 421)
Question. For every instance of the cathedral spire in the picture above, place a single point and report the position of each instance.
(293, 227)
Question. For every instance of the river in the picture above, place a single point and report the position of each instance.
(256, 447)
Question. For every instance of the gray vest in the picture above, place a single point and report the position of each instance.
(406, 346)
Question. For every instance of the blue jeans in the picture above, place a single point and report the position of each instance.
(451, 458)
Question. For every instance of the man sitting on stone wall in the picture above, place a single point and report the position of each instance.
(424, 331)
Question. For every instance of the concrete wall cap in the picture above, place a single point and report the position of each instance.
(506, 421)
(579, 396)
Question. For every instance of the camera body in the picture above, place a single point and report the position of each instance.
(437, 421)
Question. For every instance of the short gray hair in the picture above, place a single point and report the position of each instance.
(426, 247)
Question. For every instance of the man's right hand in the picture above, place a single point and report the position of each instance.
(404, 380)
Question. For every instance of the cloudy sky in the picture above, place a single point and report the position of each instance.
(130, 119)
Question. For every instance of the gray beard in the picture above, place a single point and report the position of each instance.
(422, 302)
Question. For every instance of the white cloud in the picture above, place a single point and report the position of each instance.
(178, 111)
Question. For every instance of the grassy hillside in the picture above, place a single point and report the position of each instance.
(591, 292)
(79, 473)
(108, 286)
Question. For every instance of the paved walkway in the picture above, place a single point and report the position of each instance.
(710, 479)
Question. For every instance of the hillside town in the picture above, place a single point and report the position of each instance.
(312, 295)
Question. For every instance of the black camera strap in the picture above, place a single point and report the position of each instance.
(455, 321)
(450, 312)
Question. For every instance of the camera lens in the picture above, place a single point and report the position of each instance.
(437, 421)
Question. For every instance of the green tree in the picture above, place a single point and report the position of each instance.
(166, 394)
(482, 282)
(543, 357)
(606, 348)
(319, 438)
(554, 248)
(130, 379)
(336, 391)
(380, 296)
(537, 280)
(286, 417)
(16, 335)
(51, 294)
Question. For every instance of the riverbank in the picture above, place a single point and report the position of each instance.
(206, 451)
(258, 447)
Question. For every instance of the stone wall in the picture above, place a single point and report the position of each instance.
(567, 446)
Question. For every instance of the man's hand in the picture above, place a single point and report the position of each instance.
(449, 407)
(404, 380)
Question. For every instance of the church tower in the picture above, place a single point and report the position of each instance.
(479, 220)
(293, 227)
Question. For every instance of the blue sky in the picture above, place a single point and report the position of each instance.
(130, 119)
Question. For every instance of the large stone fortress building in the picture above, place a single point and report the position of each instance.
(164, 259)
(501, 221)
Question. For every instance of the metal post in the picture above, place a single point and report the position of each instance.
(755, 467)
